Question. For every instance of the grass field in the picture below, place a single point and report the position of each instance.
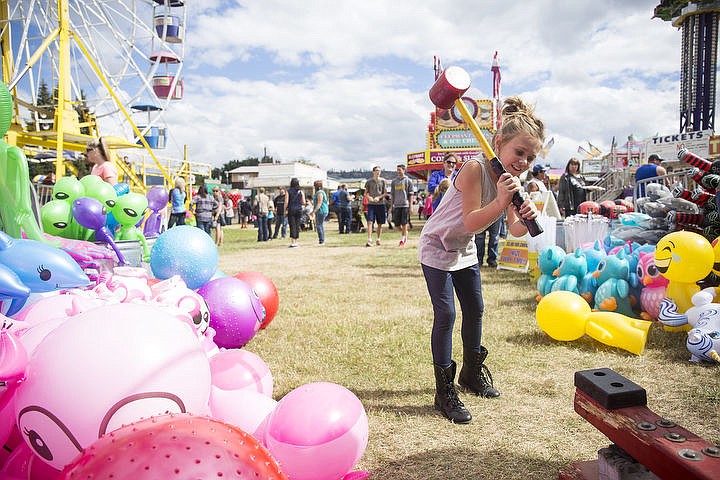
(361, 317)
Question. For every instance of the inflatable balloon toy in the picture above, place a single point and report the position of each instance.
(92, 258)
(11, 287)
(65, 190)
(40, 267)
(632, 254)
(131, 283)
(239, 369)
(185, 251)
(566, 316)
(589, 207)
(703, 340)
(121, 188)
(63, 305)
(68, 189)
(13, 361)
(654, 286)
(242, 378)
(588, 285)
(252, 417)
(91, 214)
(175, 293)
(67, 399)
(157, 198)
(128, 211)
(613, 292)
(570, 272)
(22, 464)
(17, 205)
(318, 431)
(56, 218)
(105, 193)
(266, 290)
(684, 258)
(236, 311)
(95, 187)
(548, 261)
(175, 445)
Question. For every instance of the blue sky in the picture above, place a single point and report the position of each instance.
(344, 84)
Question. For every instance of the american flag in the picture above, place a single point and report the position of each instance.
(496, 90)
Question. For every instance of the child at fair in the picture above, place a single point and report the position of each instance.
(476, 198)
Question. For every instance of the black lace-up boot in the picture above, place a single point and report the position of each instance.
(475, 376)
(446, 398)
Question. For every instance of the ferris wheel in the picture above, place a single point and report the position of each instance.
(109, 58)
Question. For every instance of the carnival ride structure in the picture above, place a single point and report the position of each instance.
(698, 22)
(80, 69)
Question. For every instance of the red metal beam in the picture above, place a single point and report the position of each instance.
(665, 448)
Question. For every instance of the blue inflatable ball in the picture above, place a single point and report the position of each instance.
(186, 251)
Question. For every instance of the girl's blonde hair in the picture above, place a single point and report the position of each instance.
(519, 118)
(180, 183)
(442, 187)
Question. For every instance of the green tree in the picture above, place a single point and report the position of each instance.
(45, 108)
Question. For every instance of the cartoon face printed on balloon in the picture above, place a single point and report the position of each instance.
(68, 189)
(105, 368)
(129, 209)
(173, 292)
(56, 217)
(101, 191)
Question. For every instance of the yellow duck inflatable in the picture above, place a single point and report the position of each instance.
(684, 258)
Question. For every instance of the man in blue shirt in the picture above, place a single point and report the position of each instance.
(649, 170)
(344, 208)
(333, 203)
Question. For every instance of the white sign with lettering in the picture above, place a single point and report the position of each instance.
(667, 146)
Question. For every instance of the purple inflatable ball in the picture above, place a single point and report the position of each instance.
(186, 251)
(236, 311)
(157, 198)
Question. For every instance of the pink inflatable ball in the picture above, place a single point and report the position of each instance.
(235, 310)
(266, 290)
(175, 446)
(106, 368)
(237, 369)
(245, 409)
(186, 251)
(318, 431)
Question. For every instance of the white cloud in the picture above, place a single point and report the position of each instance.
(344, 84)
(595, 70)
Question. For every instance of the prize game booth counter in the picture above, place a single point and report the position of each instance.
(447, 132)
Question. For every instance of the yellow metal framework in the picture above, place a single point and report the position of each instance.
(66, 134)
